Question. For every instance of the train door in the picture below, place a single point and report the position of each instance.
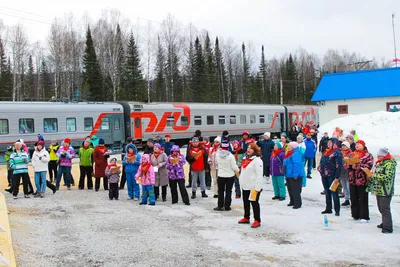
(282, 121)
(117, 126)
(105, 129)
(137, 128)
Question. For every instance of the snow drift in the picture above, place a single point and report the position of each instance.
(377, 129)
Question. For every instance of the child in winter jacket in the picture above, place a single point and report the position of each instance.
(19, 164)
(53, 160)
(212, 161)
(66, 153)
(113, 171)
(146, 177)
(197, 157)
(40, 160)
(100, 156)
(131, 162)
(9, 170)
(278, 177)
(176, 175)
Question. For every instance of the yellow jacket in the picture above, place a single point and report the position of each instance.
(53, 151)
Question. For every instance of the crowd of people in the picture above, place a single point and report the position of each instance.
(345, 165)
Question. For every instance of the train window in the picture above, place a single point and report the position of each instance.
(242, 119)
(105, 123)
(26, 126)
(3, 126)
(117, 124)
(184, 120)
(221, 119)
(88, 124)
(71, 125)
(137, 123)
(50, 125)
(232, 119)
(170, 121)
(210, 120)
(252, 119)
(270, 118)
(262, 118)
(197, 120)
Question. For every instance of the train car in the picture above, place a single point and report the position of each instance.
(58, 120)
(182, 120)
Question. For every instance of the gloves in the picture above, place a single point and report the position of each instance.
(63, 155)
(40, 158)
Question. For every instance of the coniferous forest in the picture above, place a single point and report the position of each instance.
(112, 59)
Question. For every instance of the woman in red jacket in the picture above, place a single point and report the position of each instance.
(100, 157)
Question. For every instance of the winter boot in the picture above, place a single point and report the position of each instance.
(193, 195)
(37, 195)
(203, 194)
(346, 203)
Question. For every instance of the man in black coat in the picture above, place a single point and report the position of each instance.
(267, 146)
(323, 143)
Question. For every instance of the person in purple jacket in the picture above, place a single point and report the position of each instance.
(176, 175)
(65, 153)
(278, 178)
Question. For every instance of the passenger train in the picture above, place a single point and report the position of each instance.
(115, 121)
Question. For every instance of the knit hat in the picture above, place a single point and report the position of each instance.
(225, 144)
(361, 142)
(300, 137)
(278, 144)
(351, 137)
(129, 139)
(293, 145)
(158, 135)
(225, 132)
(197, 133)
(217, 139)
(40, 143)
(157, 145)
(195, 140)
(151, 140)
(113, 160)
(167, 135)
(67, 140)
(54, 140)
(175, 148)
(267, 134)
(21, 141)
(347, 144)
(383, 152)
(101, 141)
(235, 142)
(245, 133)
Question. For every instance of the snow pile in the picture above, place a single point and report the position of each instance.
(377, 129)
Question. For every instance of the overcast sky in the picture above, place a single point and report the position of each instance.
(362, 26)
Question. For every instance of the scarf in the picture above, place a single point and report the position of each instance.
(131, 155)
(346, 153)
(237, 151)
(245, 162)
(388, 156)
(66, 149)
(111, 165)
(288, 154)
(214, 149)
(101, 148)
(145, 168)
(275, 153)
(156, 154)
(359, 153)
(329, 151)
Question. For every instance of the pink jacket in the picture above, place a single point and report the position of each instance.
(150, 177)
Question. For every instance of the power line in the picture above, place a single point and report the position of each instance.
(26, 12)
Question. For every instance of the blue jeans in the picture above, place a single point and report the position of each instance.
(309, 162)
(40, 181)
(67, 178)
(133, 186)
(327, 182)
(238, 192)
(148, 192)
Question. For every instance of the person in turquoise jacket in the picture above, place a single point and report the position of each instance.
(131, 162)
(294, 172)
(302, 149)
(19, 160)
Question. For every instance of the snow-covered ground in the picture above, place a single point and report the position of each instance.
(84, 228)
(377, 129)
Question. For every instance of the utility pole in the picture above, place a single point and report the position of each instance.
(281, 90)
(394, 39)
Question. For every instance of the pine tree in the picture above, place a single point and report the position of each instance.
(198, 84)
(263, 78)
(190, 74)
(245, 77)
(92, 87)
(289, 82)
(159, 94)
(5, 75)
(221, 73)
(29, 89)
(173, 80)
(210, 75)
(120, 63)
(134, 84)
(47, 88)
